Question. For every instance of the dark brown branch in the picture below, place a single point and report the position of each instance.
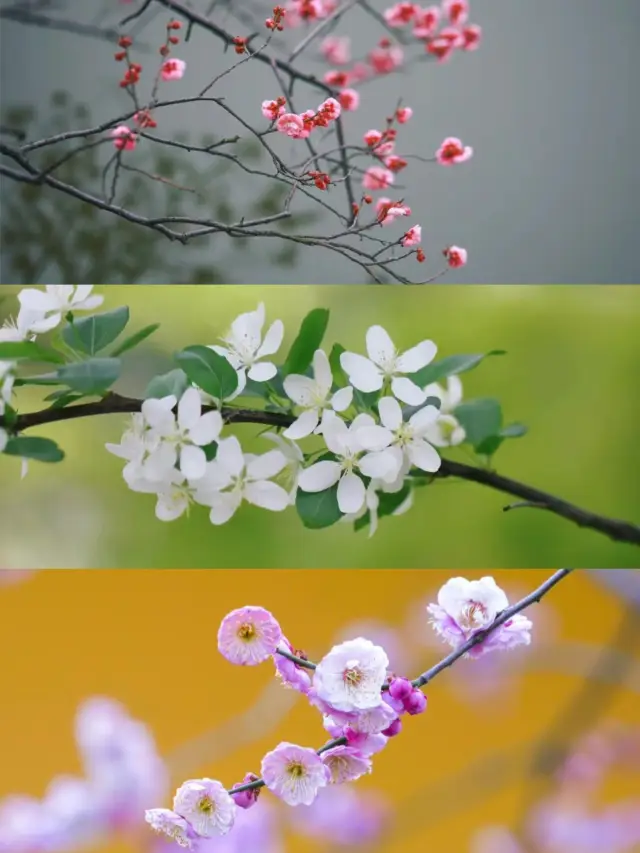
(615, 529)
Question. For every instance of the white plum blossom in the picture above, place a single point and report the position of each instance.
(181, 438)
(343, 442)
(206, 805)
(245, 347)
(26, 326)
(447, 430)
(234, 476)
(295, 461)
(401, 442)
(350, 677)
(314, 396)
(465, 607)
(386, 365)
(57, 299)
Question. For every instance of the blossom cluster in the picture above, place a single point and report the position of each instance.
(362, 703)
(123, 775)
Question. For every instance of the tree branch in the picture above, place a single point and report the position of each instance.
(112, 403)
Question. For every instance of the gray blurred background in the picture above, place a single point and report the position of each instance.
(551, 196)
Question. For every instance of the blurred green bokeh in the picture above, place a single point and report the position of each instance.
(570, 371)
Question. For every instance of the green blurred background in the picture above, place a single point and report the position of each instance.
(570, 373)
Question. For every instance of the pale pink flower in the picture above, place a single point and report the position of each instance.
(403, 114)
(330, 108)
(426, 22)
(456, 256)
(377, 178)
(384, 60)
(465, 607)
(248, 636)
(349, 99)
(453, 151)
(172, 825)
(272, 110)
(173, 69)
(124, 138)
(292, 125)
(388, 211)
(336, 49)
(441, 47)
(350, 677)
(207, 806)
(413, 236)
(294, 773)
(372, 138)
(346, 764)
(457, 11)
(401, 14)
(384, 149)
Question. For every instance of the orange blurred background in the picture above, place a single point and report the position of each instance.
(148, 639)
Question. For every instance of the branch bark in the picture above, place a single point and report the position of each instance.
(112, 403)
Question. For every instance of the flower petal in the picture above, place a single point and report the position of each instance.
(417, 357)
(299, 389)
(390, 413)
(272, 339)
(363, 373)
(341, 400)
(320, 476)
(424, 456)
(380, 347)
(189, 409)
(267, 465)
(230, 455)
(267, 495)
(302, 426)
(407, 391)
(262, 371)
(170, 507)
(207, 429)
(423, 419)
(193, 462)
(351, 493)
(322, 371)
(374, 438)
(223, 506)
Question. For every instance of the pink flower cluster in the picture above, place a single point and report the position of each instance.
(300, 126)
(443, 28)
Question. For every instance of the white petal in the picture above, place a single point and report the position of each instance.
(267, 465)
(374, 438)
(230, 456)
(88, 304)
(390, 413)
(189, 409)
(267, 495)
(170, 507)
(158, 413)
(160, 462)
(207, 429)
(193, 462)
(37, 300)
(435, 390)
(424, 456)
(363, 374)
(272, 339)
(341, 400)
(351, 493)
(454, 392)
(224, 506)
(322, 371)
(299, 389)
(380, 347)
(303, 426)
(424, 418)
(262, 371)
(320, 476)
(231, 357)
(336, 435)
(383, 464)
(407, 391)
(246, 330)
(417, 357)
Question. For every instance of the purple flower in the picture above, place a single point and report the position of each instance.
(292, 674)
(294, 773)
(350, 677)
(248, 636)
(206, 805)
(173, 826)
(346, 763)
(248, 798)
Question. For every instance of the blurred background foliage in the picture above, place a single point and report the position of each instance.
(571, 365)
(483, 752)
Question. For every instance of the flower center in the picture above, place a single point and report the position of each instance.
(246, 632)
(446, 428)
(206, 805)
(352, 675)
(295, 769)
(474, 615)
(404, 434)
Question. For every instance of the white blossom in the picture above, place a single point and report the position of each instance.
(314, 396)
(245, 347)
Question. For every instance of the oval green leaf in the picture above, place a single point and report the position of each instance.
(209, 371)
(308, 340)
(94, 333)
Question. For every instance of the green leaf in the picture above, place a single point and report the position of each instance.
(318, 509)
(513, 431)
(16, 350)
(91, 334)
(61, 398)
(174, 382)
(93, 376)
(135, 339)
(489, 446)
(452, 364)
(480, 419)
(34, 447)
(209, 371)
(255, 389)
(339, 376)
(309, 338)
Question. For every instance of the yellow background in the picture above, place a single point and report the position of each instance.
(148, 638)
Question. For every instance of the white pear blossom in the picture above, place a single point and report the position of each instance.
(295, 461)
(350, 677)
(343, 441)
(386, 365)
(447, 430)
(314, 396)
(174, 492)
(400, 442)
(26, 326)
(372, 501)
(181, 437)
(57, 299)
(245, 477)
(245, 347)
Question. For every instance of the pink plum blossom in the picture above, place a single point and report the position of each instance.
(453, 151)
(403, 114)
(173, 69)
(206, 805)
(346, 764)
(336, 49)
(292, 674)
(413, 236)
(457, 11)
(294, 773)
(248, 636)
(172, 825)
(350, 677)
(401, 14)
(456, 256)
(426, 22)
(388, 211)
(292, 125)
(349, 99)
(124, 139)
(377, 178)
